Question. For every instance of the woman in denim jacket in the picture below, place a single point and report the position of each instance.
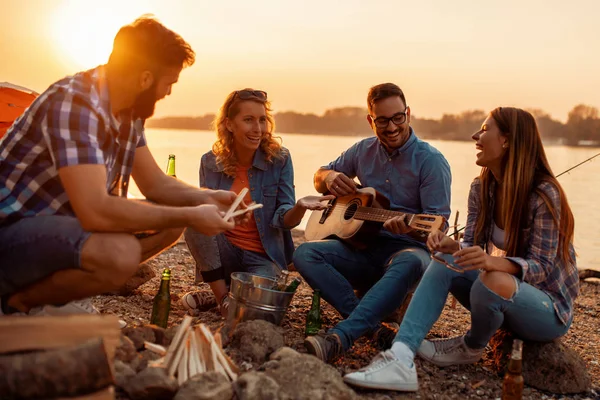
(246, 155)
(516, 265)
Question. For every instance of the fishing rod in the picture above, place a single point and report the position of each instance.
(457, 231)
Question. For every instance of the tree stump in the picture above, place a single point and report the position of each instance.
(552, 366)
(68, 371)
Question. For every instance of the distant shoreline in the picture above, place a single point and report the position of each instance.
(586, 144)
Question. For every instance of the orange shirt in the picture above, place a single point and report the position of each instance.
(245, 237)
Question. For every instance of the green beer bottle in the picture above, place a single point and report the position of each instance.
(291, 288)
(171, 166)
(162, 301)
(313, 318)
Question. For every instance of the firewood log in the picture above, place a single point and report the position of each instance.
(61, 372)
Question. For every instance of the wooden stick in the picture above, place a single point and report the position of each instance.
(178, 355)
(43, 333)
(235, 203)
(183, 328)
(244, 211)
(207, 356)
(155, 348)
(218, 352)
(182, 367)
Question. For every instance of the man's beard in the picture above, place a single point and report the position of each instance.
(144, 103)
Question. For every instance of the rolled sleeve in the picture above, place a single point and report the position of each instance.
(286, 194)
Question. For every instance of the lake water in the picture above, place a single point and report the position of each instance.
(309, 152)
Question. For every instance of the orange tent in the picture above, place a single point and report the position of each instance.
(13, 101)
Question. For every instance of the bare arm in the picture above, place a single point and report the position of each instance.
(98, 211)
(163, 189)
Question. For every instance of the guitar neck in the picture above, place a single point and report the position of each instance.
(379, 214)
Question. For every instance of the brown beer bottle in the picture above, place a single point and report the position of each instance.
(512, 387)
(162, 301)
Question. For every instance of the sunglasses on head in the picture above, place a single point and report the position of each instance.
(251, 94)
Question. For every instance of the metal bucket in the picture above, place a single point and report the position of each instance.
(251, 297)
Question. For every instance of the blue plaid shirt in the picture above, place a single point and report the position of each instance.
(415, 178)
(541, 266)
(69, 124)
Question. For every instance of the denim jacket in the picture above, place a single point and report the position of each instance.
(271, 184)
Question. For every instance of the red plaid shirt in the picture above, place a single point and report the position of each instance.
(541, 266)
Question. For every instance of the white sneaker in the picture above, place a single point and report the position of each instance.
(450, 351)
(84, 306)
(386, 372)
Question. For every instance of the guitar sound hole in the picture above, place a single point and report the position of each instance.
(350, 211)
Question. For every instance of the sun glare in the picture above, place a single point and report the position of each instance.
(84, 31)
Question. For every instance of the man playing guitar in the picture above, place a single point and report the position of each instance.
(415, 178)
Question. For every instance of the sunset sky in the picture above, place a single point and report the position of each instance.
(448, 56)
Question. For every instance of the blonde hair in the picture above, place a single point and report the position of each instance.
(223, 148)
(524, 167)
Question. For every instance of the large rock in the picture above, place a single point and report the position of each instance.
(256, 386)
(552, 366)
(206, 386)
(305, 377)
(255, 340)
(139, 335)
(126, 350)
(143, 274)
(123, 373)
(151, 383)
(142, 360)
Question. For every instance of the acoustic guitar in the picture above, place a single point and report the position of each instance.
(356, 218)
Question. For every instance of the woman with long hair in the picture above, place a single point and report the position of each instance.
(247, 155)
(516, 265)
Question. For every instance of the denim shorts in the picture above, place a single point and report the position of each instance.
(33, 248)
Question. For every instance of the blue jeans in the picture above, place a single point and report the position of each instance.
(529, 313)
(34, 248)
(388, 270)
(219, 261)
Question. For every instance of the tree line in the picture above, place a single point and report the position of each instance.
(582, 126)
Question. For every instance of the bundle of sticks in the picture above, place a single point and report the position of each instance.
(194, 350)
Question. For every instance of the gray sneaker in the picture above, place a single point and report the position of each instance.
(450, 351)
(326, 347)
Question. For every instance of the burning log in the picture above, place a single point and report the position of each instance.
(69, 371)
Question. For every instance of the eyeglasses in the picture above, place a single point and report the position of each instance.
(447, 264)
(398, 119)
(251, 94)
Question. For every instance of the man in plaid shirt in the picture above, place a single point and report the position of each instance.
(67, 229)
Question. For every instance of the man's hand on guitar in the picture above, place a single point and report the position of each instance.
(340, 185)
(439, 241)
(397, 225)
(314, 202)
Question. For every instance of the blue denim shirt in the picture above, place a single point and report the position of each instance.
(272, 185)
(415, 178)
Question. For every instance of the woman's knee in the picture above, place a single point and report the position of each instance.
(501, 283)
